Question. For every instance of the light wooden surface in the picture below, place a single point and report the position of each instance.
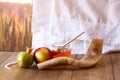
(108, 68)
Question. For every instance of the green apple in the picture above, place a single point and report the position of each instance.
(42, 54)
(24, 59)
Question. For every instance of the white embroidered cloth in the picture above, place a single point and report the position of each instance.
(55, 21)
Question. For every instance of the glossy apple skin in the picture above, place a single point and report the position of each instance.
(42, 54)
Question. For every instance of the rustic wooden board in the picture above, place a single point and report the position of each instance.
(66, 74)
(108, 68)
(4, 73)
(51, 74)
(115, 58)
(4, 56)
(33, 73)
(102, 71)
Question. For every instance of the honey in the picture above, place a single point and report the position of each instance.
(63, 52)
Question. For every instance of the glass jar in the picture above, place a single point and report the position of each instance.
(59, 51)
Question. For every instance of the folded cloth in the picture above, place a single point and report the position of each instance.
(56, 21)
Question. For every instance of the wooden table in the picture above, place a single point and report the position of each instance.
(108, 68)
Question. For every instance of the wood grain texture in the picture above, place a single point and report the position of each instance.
(108, 68)
(101, 71)
(4, 56)
(4, 73)
(115, 59)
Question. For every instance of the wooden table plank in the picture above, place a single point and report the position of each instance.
(108, 68)
(52, 74)
(102, 71)
(6, 74)
(66, 73)
(116, 65)
(32, 73)
(3, 56)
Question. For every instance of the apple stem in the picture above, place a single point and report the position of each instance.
(29, 50)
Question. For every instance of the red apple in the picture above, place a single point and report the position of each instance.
(42, 54)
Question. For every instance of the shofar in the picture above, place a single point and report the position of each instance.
(92, 56)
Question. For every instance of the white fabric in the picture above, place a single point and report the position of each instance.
(55, 21)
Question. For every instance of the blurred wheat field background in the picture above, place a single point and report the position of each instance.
(15, 26)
